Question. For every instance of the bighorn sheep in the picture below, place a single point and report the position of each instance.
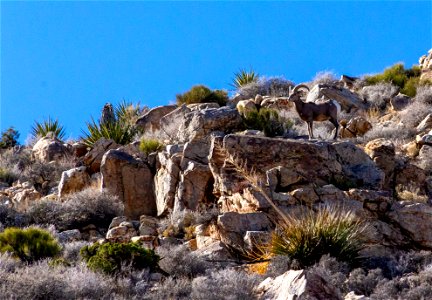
(310, 111)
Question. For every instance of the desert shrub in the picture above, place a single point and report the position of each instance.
(150, 145)
(380, 94)
(389, 131)
(266, 120)
(9, 217)
(202, 94)
(71, 251)
(42, 281)
(273, 86)
(7, 176)
(363, 282)
(280, 264)
(243, 77)
(424, 95)
(110, 258)
(29, 245)
(406, 79)
(331, 230)
(42, 129)
(9, 138)
(78, 210)
(178, 288)
(324, 77)
(225, 284)
(180, 261)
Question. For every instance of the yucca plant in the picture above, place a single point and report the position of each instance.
(128, 113)
(118, 132)
(42, 129)
(243, 77)
(331, 230)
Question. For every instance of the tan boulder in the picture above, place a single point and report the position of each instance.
(233, 226)
(24, 198)
(122, 233)
(424, 159)
(425, 63)
(245, 107)
(131, 180)
(48, 149)
(72, 181)
(425, 124)
(150, 121)
(299, 284)
(347, 99)
(383, 153)
(93, 158)
(357, 126)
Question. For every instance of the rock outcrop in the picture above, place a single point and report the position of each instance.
(347, 99)
(131, 180)
(425, 63)
(48, 149)
(73, 181)
(93, 158)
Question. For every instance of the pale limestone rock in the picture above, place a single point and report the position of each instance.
(250, 200)
(93, 158)
(131, 180)
(415, 220)
(425, 63)
(305, 195)
(23, 198)
(425, 124)
(146, 241)
(48, 149)
(150, 121)
(347, 99)
(116, 221)
(122, 233)
(383, 153)
(214, 251)
(254, 240)
(353, 296)
(148, 226)
(233, 226)
(411, 149)
(425, 158)
(193, 184)
(299, 284)
(72, 181)
(186, 124)
(355, 127)
(245, 107)
(166, 181)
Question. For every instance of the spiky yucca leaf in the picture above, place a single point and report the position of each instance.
(119, 133)
(331, 230)
(39, 130)
(243, 77)
(127, 112)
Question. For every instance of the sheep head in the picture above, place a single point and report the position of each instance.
(297, 91)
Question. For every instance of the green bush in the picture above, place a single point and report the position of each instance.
(7, 176)
(243, 77)
(330, 230)
(30, 244)
(266, 120)
(9, 138)
(39, 130)
(406, 79)
(202, 94)
(110, 258)
(150, 145)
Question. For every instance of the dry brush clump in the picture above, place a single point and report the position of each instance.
(272, 86)
(78, 210)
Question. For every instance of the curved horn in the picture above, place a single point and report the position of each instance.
(300, 86)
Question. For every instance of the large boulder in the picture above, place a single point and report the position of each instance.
(131, 180)
(383, 153)
(425, 63)
(150, 121)
(357, 126)
(93, 158)
(424, 159)
(48, 149)
(187, 123)
(299, 284)
(347, 99)
(415, 221)
(318, 163)
(73, 180)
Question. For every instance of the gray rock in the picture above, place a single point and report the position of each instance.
(73, 180)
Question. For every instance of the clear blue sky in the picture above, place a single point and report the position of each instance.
(67, 59)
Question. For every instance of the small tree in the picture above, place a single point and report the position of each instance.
(9, 138)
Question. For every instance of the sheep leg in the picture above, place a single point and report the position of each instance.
(310, 130)
(336, 125)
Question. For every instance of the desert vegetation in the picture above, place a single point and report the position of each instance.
(226, 201)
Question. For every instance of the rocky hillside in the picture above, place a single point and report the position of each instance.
(210, 187)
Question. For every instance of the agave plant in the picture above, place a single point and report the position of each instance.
(243, 77)
(120, 133)
(39, 130)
